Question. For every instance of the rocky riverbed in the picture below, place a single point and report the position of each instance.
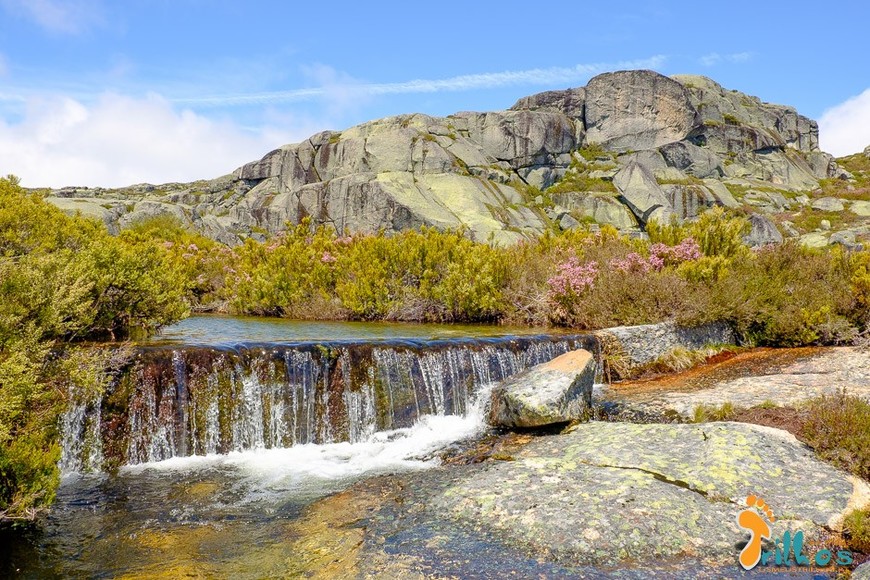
(609, 499)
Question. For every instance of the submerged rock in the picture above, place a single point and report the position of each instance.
(554, 392)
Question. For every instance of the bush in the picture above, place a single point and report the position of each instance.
(63, 279)
(838, 429)
(788, 295)
(857, 527)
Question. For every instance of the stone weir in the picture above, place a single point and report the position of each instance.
(175, 401)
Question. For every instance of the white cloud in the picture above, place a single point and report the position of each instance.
(710, 59)
(119, 140)
(65, 16)
(845, 128)
(345, 87)
(715, 58)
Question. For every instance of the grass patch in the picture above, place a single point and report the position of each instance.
(581, 182)
(809, 220)
(707, 413)
(681, 359)
(594, 151)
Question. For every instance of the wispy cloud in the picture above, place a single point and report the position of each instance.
(59, 16)
(538, 76)
(845, 128)
(715, 58)
(4, 67)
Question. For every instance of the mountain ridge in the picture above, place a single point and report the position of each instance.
(628, 147)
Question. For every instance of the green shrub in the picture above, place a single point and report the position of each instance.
(788, 295)
(857, 527)
(63, 279)
(838, 429)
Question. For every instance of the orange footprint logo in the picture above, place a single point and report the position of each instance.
(751, 521)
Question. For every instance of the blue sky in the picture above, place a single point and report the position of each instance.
(94, 92)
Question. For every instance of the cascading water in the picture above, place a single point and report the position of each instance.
(192, 401)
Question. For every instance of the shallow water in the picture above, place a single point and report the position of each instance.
(216, 330)
(227, 515)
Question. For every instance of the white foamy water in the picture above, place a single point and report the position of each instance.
(282, 469)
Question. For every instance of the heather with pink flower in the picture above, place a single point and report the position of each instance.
(578, 286)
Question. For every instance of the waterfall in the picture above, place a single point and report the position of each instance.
(178, 401)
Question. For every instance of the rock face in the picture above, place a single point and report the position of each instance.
(637, 110)
(611, 492)
(642, 194)
(554, 392)
(670, 144)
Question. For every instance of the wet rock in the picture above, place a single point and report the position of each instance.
(619, 491)
(554, 392)
(638, 345)
(786, 377)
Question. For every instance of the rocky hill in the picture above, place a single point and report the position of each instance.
(628, 147)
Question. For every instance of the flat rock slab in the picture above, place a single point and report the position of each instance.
(557, 391)
(782, 377)
(611, 492)
(606, 500)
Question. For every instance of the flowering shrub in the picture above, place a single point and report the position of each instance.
(573, 277)
(634, 262)
(662, 255)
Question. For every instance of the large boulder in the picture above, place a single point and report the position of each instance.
(611, 493)
(719, 107)
(569, 101)
(688, 200)
(625, 348)
(554, 392)
(693, 160)
(642, 194)
(762, 232)
(638, 109)
(604, 208)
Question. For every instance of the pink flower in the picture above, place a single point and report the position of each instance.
(633, 262)
(327, 258)
(687, 250)
(572, 278)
